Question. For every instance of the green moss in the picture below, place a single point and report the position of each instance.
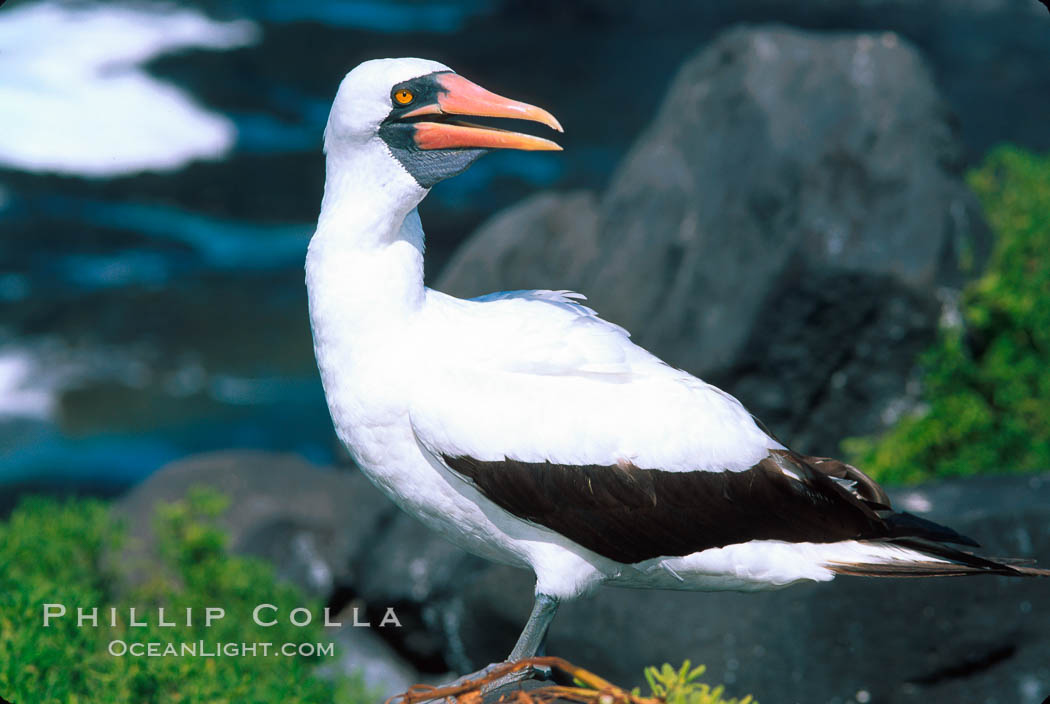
(54, 553)
(986, 382)
(682, 686)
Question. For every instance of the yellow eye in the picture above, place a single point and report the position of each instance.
(403, 96)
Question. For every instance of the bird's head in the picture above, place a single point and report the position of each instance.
(409, 108)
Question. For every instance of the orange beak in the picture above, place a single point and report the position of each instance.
(461, 97)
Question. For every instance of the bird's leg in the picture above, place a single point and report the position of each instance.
(531, 642)
(534, 636)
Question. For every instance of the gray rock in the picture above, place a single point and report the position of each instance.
(311, 523)
(797, 197)
(518, 245)
(981, 639)
(406, 562)
(422, 575)
(362, 651)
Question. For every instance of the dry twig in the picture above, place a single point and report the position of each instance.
(595, 690)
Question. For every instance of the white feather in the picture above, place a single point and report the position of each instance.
(534, 379)
(760, 565)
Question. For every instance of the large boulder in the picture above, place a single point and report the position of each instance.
(519, 246)
(787, 226)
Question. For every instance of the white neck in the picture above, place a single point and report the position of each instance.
(367, 193)
(364, 267)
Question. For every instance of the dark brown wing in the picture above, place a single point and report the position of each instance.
(631, 514)
(865, 488)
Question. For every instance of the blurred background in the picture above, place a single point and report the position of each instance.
(771, 194)
(160, 173)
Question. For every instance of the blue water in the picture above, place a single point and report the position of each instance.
(162, 321)
(385, 16)
(43, 451)
(220, 243)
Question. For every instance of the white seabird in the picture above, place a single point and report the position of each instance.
(528, 430)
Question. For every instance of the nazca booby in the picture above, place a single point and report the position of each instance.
(528, 430)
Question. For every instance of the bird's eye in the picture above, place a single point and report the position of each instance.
(404, 96)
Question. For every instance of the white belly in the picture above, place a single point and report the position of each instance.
(394, 461)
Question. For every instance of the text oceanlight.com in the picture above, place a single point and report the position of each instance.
(201, 649)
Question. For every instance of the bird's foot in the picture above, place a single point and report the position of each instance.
(491, 680)
(476, 675)
(516, 677)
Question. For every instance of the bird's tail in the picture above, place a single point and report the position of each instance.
(910, 557)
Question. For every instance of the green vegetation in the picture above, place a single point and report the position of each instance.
(986, 382)
(681, 686)
(67, 553)
(56, 553)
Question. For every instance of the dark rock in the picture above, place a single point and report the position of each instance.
(421, 575)
(946, 640)
(484, 619)
(311, 523)
(408, 562)
(517, 246)
(363, 651)
(797, 197)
